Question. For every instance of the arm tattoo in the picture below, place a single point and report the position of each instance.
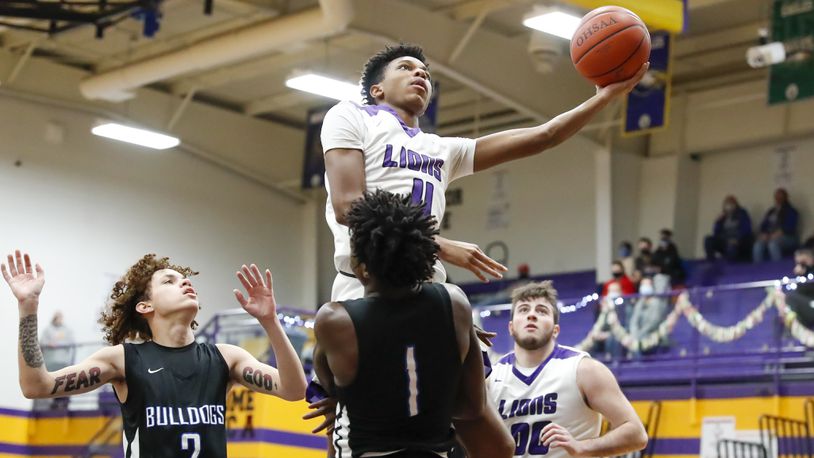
(74, 381)
(258, 379)
(29, 345)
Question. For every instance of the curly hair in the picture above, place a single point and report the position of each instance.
(394, 238)
(373, 72)
(120, 320)
(543, 290)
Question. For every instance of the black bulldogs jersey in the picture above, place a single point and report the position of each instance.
(176, 401)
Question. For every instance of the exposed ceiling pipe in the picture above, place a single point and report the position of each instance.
(331, 18)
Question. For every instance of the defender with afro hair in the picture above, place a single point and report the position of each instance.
(393, 238)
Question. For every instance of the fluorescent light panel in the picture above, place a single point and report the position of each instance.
(136, 136)
(326, 87)
(555, 23)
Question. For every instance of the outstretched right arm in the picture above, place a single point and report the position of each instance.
(35, 381)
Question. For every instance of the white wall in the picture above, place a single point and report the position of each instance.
(551, 213)
(90, 207)
(657, 195)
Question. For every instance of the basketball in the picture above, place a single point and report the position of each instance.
(610, 45)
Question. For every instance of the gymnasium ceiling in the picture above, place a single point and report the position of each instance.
(487, 81)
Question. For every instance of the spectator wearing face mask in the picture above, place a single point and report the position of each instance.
(605, 345)
(625, 284)
(667, 259)
(801, 300)
(651, 309)
(778, 232)
(731, 235)
(643, 264)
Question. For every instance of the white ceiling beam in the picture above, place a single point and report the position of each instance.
(262, 66)
(290, 99)
(699, 4)
(471, 9)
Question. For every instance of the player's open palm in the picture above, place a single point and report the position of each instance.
(26, 282)
(555, 436)
(259, 299)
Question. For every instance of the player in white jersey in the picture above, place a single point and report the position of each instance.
(552, 397)
(380, 146)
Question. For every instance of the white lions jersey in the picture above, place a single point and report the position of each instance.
(398, 159)
(548, 394)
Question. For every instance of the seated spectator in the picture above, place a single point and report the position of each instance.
(667, 260)
(801, 300)
(731, 235)
(619, 277)
(650, 310)
(778, 231)
(643, 265)
(625, 253)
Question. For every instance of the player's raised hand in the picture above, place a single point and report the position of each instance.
(555, 436)
(260, 302)
(26, 282)
(623, 87)
(470, 257)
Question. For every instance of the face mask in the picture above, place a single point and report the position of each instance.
(624, 252)
(617, 274)
(729, 208)
(646, 290)
(664, 243)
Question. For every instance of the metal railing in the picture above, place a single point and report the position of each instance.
(729, 448)
(790, 436)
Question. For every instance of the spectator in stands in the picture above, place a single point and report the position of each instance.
(667, 260)
(523, 273)
(58, 351)
(643, 265)
(651, 309)
(778, 231)
(619, 277)
(732, 233)
(605, 344)
(809, 243)
(801, 300)
(803, 262)
(625, 253)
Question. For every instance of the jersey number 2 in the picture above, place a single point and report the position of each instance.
(195, 438)
(423, 189)
(523, 438)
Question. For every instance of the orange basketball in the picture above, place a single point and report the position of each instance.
(611, 44)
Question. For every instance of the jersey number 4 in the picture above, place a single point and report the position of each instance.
(422, 194)
(526, 436)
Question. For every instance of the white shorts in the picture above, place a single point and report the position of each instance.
(346, 288)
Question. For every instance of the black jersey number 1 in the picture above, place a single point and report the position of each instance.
(412, 382)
